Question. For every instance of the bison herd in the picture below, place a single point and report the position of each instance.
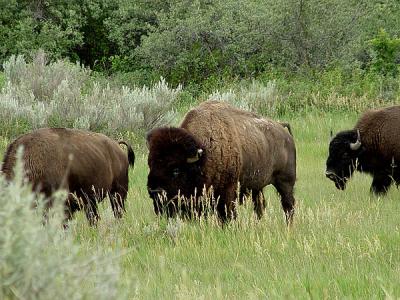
(218, 155)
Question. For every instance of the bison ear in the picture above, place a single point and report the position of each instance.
(195, 158)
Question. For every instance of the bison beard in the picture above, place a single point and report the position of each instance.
(373, 147)
(88, 165)
(218, 146)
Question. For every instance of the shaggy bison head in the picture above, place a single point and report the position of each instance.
(344, 150)
(176, 159)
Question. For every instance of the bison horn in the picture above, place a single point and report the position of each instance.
(195, 158)
(357, 144)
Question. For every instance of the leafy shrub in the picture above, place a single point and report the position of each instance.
(62, 94)
(194, 40)
(55, 26)
(42, 261)
(385, 51)
(189, 41)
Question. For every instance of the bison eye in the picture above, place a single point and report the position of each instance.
(176, 172)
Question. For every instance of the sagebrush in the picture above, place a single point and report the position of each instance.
(62, 94)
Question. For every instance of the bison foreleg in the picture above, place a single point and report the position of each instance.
(380, 184)
(285, 190)
(226, 206)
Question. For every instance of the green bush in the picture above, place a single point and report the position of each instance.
(190, 42)
(385, 50)
(30, 25)
(195, 40)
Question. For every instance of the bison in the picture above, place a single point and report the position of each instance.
(88, 165)
(373, 147)
(220, 146)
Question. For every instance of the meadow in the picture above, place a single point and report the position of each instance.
(342, 244)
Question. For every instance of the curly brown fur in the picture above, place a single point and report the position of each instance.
(237, 147)
(87, 164)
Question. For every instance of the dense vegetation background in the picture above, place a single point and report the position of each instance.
(205, 42)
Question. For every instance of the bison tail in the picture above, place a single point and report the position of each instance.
(287, 126)
(131, 154)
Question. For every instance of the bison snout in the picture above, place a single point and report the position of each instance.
(330, 175)
(340, 182)
(156, 192)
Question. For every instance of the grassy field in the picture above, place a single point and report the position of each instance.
(343, 244)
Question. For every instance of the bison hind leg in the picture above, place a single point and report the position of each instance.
(117, 199)
(259, 202)
(89, 203)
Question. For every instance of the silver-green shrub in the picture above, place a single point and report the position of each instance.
(255, 97)
(60, 93)
(42, 261)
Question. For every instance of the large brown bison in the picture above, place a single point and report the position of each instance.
(373, 146)
(87, 164)
(220, 146)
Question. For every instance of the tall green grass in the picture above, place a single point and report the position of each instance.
(343, 244)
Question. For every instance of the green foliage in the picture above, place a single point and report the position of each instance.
(196, 42)
(73, 29)
(198, 39)
(31, 25)
(385, 51)
(127, 24)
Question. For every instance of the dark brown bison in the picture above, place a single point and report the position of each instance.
(220, 146)
(87, 164)
(373, 146)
